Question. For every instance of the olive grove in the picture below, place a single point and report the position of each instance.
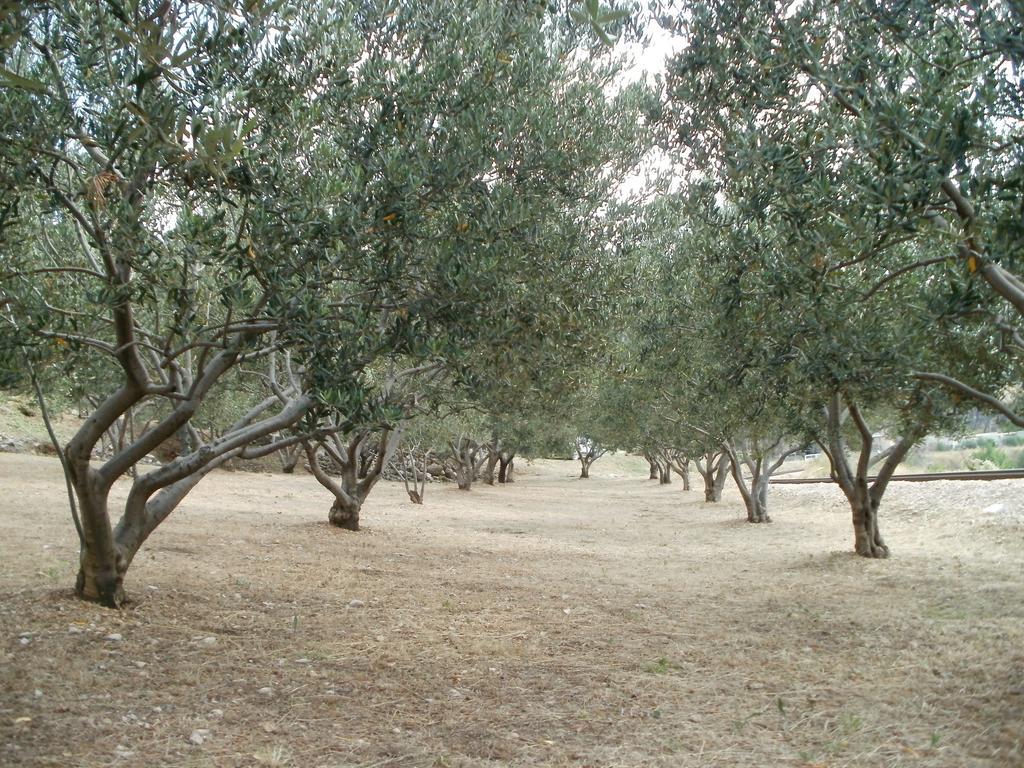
(294, 194)
(231, 230)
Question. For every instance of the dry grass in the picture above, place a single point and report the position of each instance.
(556, 622)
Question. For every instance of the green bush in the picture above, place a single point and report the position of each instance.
(979, 442)
(1014, 441)
(997, 456)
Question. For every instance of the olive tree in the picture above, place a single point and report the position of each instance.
(844, 137)
(919, 102)
(303, 190)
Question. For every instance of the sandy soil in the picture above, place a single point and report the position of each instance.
(555, 622)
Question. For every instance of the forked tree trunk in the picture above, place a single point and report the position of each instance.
(714, 470)
(664, 473)
(864, 493)
(464, 457)
(289, 459)
(588, 452)
(418, 489)
(107, 550)
(761, 462)
(349, 489)
(683, 468)
(755, 498)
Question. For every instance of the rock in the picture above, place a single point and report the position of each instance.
(356, 603)
(209, 640)
(266, 691)
(10, 445)
(114, 637)
(199, 736)
(216, 713)
(567, 611)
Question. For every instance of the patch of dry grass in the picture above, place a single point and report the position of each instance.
(556, 622)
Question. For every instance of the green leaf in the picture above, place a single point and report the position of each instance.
(10, 79)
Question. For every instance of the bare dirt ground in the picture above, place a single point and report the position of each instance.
(555, 622)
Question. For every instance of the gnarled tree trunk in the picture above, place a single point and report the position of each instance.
(682, 466)
(761, 462)
(464, 455)
(355, 478)
(289, 458)
(493, 450)
(588, 452)
(864, 493)
(655, 467)
(714, 469)
(106, 550)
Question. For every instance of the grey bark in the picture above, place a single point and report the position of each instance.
(713, 467)
(356, 477)
(864, 496)
(588, 452)
(761, 462)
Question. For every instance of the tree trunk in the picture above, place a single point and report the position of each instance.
(664, 473)
(289, 459)
(863, 493)
(714, 473)
(350, 490)
(100, 580)
(707, 467)
(588, 452)
(464, 457)
(755, 498)
(867, 540)
(345, 514)
(685, 474)
(654, 466)
(505, 467)
(756, 501)
(493, 456)
(761, 461)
